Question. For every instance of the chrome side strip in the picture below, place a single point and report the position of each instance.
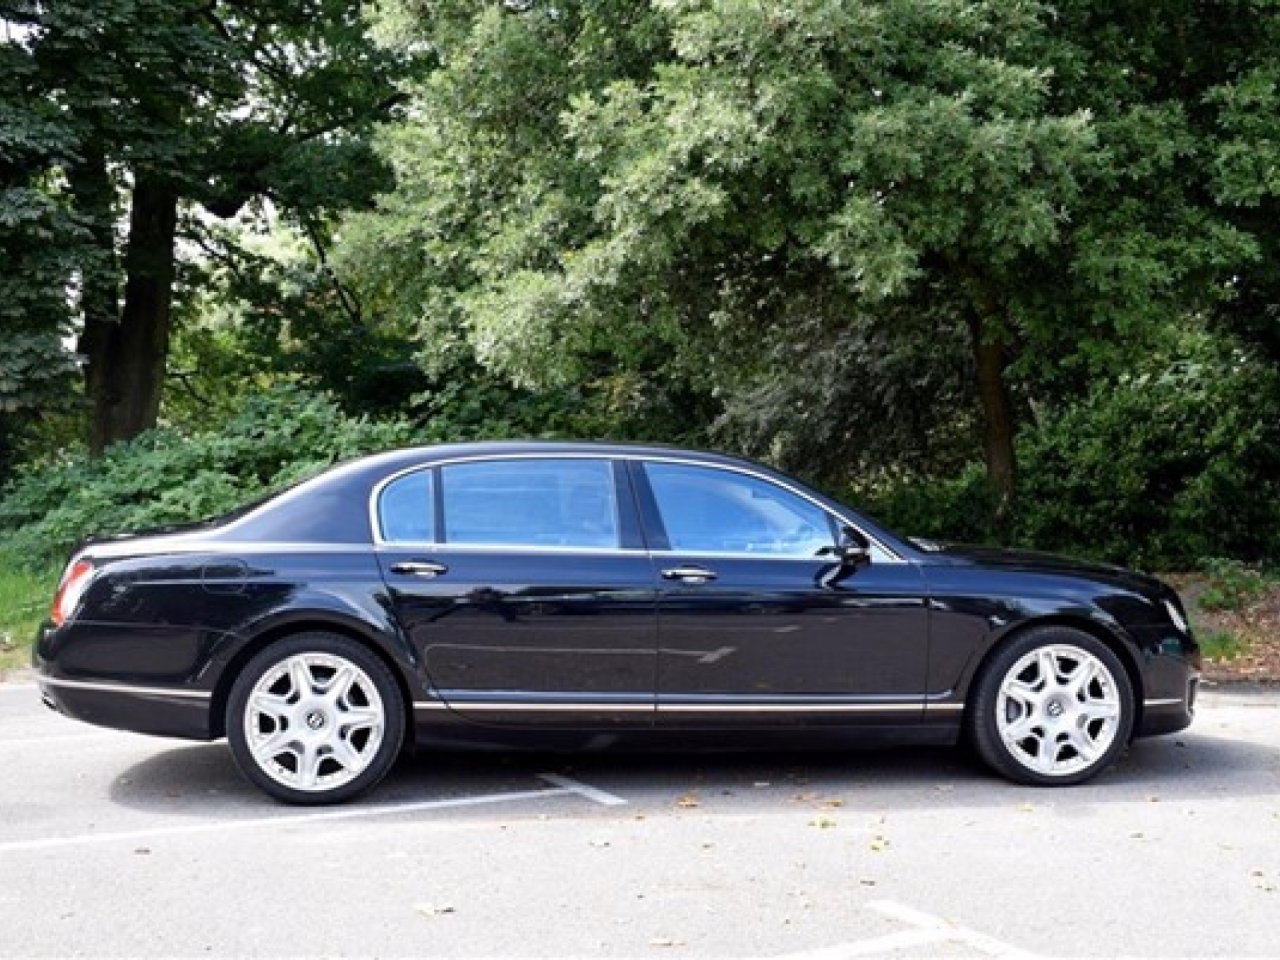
(511, 706)
(124, 688)
(1166, 702)
(492, 706)
(791, 708)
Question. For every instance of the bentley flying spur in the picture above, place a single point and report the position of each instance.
(585, 594)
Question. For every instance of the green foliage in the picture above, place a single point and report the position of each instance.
(24, 602)
(166, 477)
(958, 510)
(1221, 645)
(1232, 585)
(1160, 468)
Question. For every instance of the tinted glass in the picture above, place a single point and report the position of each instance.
(534, 503)
(706, 510)
(405, 511)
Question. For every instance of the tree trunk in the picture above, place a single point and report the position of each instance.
(997, 415)
(95, 201)
(126, 355)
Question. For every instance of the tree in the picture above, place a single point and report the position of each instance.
(41, 245)
(729, 190)
(209, 102)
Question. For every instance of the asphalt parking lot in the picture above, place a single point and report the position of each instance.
(113, 844)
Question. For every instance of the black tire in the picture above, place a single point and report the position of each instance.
(315, 718)
(1052, 707)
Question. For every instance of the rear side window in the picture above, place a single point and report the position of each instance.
(406, 513)
(530, 503)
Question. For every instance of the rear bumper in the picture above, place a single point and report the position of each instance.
(154, 710)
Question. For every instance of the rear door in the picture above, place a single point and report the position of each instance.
(524, 588)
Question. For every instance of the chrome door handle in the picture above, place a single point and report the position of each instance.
(689, 574)
(419, 568)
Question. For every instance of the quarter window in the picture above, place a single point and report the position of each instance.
(533, 503)
(705, 510)
(405, 510)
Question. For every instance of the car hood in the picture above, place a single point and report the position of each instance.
(1029, 561)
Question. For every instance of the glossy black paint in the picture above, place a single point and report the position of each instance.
(488, 644)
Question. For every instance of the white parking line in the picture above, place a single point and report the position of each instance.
(570, 787)
(582, 789)
(928, 930)
(55, 739)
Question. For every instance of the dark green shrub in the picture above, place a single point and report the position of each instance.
(166, 476)
(1160, 470)
(959, 509)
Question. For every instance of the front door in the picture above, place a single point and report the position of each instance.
(760, 624)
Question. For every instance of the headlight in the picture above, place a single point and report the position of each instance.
(1175, 616)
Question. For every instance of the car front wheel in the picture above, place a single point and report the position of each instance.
(315, 718)
(1053, 707)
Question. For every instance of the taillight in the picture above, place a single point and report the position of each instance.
(74, 581)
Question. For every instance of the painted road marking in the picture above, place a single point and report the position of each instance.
(582, 789)
(563, 787)
(929, 931)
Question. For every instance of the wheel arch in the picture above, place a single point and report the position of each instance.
(296, 627)
(1101, 632)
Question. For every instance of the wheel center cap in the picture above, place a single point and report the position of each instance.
(315, 720)
(1055, 708)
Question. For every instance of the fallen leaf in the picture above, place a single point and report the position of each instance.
(687, 801)
(435, 910)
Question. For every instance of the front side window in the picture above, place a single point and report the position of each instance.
(707, 510)
(531, 503)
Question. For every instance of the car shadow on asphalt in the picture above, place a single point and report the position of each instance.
(202, 781)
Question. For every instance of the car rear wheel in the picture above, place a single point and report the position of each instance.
(1053, 707)
(315, 718)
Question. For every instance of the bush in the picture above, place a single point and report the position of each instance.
(1160, 470)
(167, 476)
(959, 509)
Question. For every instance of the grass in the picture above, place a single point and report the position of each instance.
(24, 602)
(1222, 644)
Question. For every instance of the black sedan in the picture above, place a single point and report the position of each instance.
(586, 594)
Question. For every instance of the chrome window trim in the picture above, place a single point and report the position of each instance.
(511, 548)
(124, 688)
(880, 552)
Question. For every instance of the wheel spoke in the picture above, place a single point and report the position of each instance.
(1047, 665)
(1099, 709)
(301, 678)
(269, 749)
(1084, 746)
(360, 718)
(274, 706)
(1020, 729)
(309, 760)
(1079, 680)
(347, 755)
(340, 685)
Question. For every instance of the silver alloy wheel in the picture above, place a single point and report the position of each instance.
(314, 722)
(1058, 710)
